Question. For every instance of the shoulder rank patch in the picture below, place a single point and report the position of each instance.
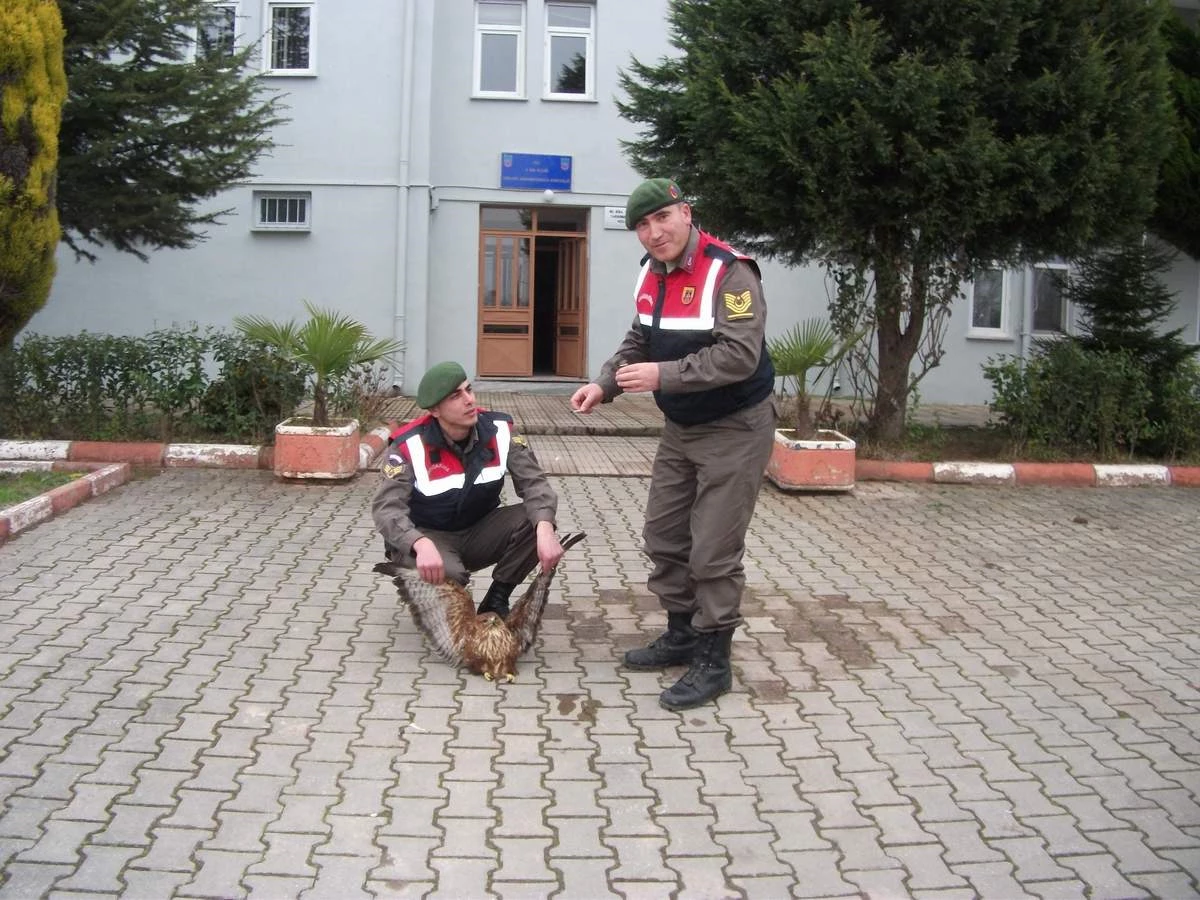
(738, 305)
(520, 440)
(394, 467)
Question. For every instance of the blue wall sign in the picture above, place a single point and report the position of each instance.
(535, 171)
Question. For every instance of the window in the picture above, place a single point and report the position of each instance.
(216, 33)
(989, 304)
(1049, 304)
(569, 64)
(283, 210)
(499, 49)
(290, 47)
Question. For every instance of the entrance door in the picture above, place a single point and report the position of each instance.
(532, 291)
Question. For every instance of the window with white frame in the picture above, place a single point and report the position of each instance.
(290, 47)
(283, 210)
(216, 33)
(989, 303)
(499, 48)
(570, 64)
(1049, 300)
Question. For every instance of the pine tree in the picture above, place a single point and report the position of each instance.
(908, 144)
(153, 128)
(1174, 218)
(32, 90)
(1124, 304)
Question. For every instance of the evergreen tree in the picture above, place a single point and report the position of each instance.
(907, 145)
(1124, 304)
(1174, 218)
(32, 90)
(153, 127)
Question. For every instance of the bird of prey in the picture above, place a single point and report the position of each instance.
(486, 644)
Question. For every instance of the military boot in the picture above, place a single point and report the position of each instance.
(496, 599)
(710, 674)
(674, 647)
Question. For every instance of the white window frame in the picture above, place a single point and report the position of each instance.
(1065, 311)
(262, 223)
(1004, 331)
(589, 34)
(482, 31)
(268, 48)
(237, 31)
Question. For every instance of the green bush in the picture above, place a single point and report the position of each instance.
(1065, 400)
(154, 387)
(1177, 432)
(254, 389)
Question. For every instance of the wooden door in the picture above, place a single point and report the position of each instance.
(505, 338)
(569, 307)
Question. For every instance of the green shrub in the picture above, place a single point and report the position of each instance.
(1177, 431)
(1067, 400)
(254, 389)
(154, 387)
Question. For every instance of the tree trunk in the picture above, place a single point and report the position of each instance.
(897, 345)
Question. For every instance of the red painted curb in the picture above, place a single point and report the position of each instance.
(1185, 476)
(66, 496)
(3, 529)
(892, 470)
(138, 453)
(1063, 474)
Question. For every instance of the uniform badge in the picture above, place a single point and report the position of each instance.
(739, 305)
(519, 440)
(689, 294)
(394, 467)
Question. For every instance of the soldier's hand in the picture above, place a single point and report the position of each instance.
(549, 550)
(586, 398)
(638, 378)
(429, 561)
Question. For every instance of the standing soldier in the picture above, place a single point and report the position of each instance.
(698, 342)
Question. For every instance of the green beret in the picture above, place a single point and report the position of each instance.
(439, 383)
(650, 196)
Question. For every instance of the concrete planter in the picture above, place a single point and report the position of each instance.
(328, 453)
(824, 462)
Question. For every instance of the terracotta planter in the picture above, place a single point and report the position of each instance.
(822, 463)
(302, 450)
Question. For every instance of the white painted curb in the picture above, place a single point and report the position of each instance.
(974, 473)
(1131, 476)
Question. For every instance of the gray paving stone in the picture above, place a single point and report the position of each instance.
(201, 681)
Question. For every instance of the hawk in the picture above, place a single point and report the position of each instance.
(486, 644)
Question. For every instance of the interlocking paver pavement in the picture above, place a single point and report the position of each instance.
(940, 692)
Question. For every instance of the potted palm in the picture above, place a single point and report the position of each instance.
(806, 458)
(327, 346)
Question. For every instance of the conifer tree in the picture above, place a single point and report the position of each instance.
(154, 128)
(907, 145)
(1124, 304)
(1174, 218)
(32, 90)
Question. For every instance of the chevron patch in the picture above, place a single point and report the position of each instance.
(738, 305)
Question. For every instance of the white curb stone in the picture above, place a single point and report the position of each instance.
(1131, 476)
(34, 449)
(210, 455)
(27, 514)
(974, 473)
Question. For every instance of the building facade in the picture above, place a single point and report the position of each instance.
(451, 175)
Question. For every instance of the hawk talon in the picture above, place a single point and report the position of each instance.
(488, 676)
(510, 678)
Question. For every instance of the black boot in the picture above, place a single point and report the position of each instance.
(496, 599)
(709, 677)
(674, 647)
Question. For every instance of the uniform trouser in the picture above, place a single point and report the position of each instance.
(504, 538)
(703, 488)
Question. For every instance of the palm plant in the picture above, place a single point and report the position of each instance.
(807, 345)
(328, 345)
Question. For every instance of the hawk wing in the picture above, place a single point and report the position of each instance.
(526, 615)
(444, 612)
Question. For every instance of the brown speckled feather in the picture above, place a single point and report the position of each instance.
(487, 646)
